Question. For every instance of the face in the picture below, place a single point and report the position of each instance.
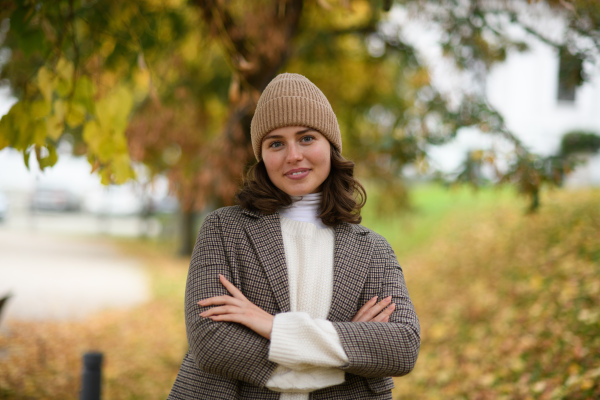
(298, 159)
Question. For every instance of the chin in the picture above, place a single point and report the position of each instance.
(296, 194)
(299, 192)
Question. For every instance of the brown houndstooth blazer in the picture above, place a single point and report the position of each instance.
(229, 361)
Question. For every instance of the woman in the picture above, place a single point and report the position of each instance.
(288, 297)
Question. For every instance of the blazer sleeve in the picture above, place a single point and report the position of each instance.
(222, 348)
(380, 349)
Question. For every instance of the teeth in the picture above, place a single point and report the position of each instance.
(297, 173)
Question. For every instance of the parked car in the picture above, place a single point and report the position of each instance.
(165, 205)
(114, 200)
(54, 198)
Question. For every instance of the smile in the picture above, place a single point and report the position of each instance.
(297, 173)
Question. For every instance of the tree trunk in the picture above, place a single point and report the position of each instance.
(258, 46)
(188, 232)
(534, 205)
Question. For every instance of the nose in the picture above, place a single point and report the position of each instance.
(294, 153)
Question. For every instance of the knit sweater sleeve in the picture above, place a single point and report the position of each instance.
(299, 341)
(308, 352)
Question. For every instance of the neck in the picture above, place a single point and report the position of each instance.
(305, 209)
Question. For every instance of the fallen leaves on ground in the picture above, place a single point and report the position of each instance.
(143, 346)
(509, 305)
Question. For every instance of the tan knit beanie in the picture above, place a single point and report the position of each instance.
(289, 100)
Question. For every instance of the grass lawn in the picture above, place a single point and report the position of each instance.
(433, 208)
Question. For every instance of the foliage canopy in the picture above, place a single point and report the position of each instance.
(173, 84)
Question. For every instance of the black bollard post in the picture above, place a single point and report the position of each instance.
(91, 377)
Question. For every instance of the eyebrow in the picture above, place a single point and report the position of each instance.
(269, 136)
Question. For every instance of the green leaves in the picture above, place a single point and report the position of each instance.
(59, 104)
(35, 124)
(30, 36)
(73, 69)
(113, 109)
(105, 135)
(45, 83)
(47, 157)
(579, 142)
(85, 68)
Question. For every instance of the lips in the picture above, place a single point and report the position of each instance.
(297, 173)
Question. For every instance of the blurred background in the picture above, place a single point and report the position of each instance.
(474, 126)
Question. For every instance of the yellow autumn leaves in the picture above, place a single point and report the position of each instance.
(105, 135)
(143, 347)
(509, 304)
(57, 101)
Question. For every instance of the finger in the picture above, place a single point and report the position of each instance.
(238, 318)
(384, 316)
(262, 325)
(364, 309)
(224, 317)
(219, 300)
(362, 315)
(377, 308)
(386, 313)
(220, 310)
(235, 292)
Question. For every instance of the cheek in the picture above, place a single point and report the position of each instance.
(327, 168)
(270, 165)
(325, 158)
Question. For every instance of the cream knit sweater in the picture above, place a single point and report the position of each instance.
(303, 343)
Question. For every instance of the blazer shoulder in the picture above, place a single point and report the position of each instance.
(231, 213)
(226, 212)
(377, 239)
(371, 234)
(230, 216)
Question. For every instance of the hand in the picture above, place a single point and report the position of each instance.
(237, 308)
(375, 312)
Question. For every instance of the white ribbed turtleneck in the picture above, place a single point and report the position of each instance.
(303, 343)
(305, 209)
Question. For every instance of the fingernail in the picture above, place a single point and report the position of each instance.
(374, 298)
(201, 302)
(389, 298)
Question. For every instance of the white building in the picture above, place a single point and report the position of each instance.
(524, 89)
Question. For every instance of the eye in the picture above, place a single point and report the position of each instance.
(275, 144)
(307, 139)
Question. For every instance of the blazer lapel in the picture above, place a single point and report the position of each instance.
(352, 257)
(264, 232)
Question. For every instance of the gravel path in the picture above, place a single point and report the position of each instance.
(54, 277)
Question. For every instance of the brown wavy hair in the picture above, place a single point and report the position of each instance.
(342, 195)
